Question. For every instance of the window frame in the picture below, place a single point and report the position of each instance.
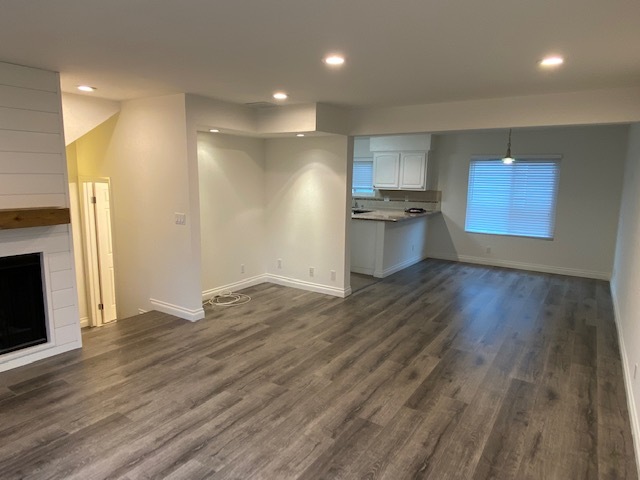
(556, 158)
(362, 192)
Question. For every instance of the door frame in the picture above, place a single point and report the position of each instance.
(89, 250)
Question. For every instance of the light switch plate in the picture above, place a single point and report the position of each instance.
(181, 218)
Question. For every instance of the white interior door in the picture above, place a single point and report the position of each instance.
(105, 251)
(98, 252)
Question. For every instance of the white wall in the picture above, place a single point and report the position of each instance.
(619, 105)
(232, 211)
(625, 284)
(306, 211)
(144, 153)
(33, 174)
(83, 113)
(588, 200)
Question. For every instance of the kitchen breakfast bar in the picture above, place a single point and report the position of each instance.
(386, 241)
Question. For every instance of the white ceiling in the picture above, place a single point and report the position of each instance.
(398, 52)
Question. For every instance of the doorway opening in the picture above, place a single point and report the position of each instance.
(96, 211)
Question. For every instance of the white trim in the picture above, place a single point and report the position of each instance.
(186, 313)
(84, 322)
(363, 270)
(534, 267)
(232, 287)
(33, 356)
(311, 287)
(397, 267)
(278, 280)
(633, 414)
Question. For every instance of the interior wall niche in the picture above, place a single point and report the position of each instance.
(22, 308)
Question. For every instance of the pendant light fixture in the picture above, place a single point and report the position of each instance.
(508, 159)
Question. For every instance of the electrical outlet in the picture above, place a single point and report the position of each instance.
(181, 218)
(279, 263)
(242, 268)
(333, 275)
(635, 370)
(312, 271)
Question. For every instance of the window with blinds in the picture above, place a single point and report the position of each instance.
(517, 199)
(363, 176)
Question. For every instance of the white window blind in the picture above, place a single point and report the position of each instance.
(517, 199)
(363, 176)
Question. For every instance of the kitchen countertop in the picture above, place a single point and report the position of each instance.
(390, 215)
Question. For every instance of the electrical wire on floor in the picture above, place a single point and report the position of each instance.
(228, 299)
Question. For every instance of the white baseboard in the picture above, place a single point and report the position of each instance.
(397, 267)
(188, 314)
(631, 404)
(534, 267)
(309, 286)
(39, 355)
(363, 271)
(232, 287)
(84, 322)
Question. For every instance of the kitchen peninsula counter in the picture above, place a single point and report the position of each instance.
(386, 241)
(391, 215)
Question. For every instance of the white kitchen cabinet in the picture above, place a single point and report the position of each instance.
(400, 170)
(413, 171)
(386, 170)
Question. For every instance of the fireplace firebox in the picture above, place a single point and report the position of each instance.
(22, 309)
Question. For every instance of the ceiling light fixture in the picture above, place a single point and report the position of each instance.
(334, 60)
(280, 96)
(86, 88)
(552, 61)
(508, 159)
(214, 130)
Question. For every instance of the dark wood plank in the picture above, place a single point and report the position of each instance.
(33, 217)
(444, 370)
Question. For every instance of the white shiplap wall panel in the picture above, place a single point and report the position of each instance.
(63, 298)
(21, 162)
(59, 261)
(33, 174)
(29, 120)
(65, 316)
(62, 280)
(27, 99)
(69, 334)
(17, 141)
(31, 183)
(26, 201)
(27, 77)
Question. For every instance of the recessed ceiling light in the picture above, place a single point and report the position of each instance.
(86, 88)
(552, 61)
(334, 60)
(280, 96)
(299, 134)
(214, 130)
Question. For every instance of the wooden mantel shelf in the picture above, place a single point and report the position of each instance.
(33, 217)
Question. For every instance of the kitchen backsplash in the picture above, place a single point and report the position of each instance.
(400, 200)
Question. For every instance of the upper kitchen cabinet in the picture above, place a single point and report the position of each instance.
(386, 170)
(400, 161)
(413, 171)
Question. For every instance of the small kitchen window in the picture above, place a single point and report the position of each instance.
(362, 184)
(517, 199)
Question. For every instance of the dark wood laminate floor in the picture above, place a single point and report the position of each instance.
(442, 371)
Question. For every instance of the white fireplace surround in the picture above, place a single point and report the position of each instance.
(63, 330)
